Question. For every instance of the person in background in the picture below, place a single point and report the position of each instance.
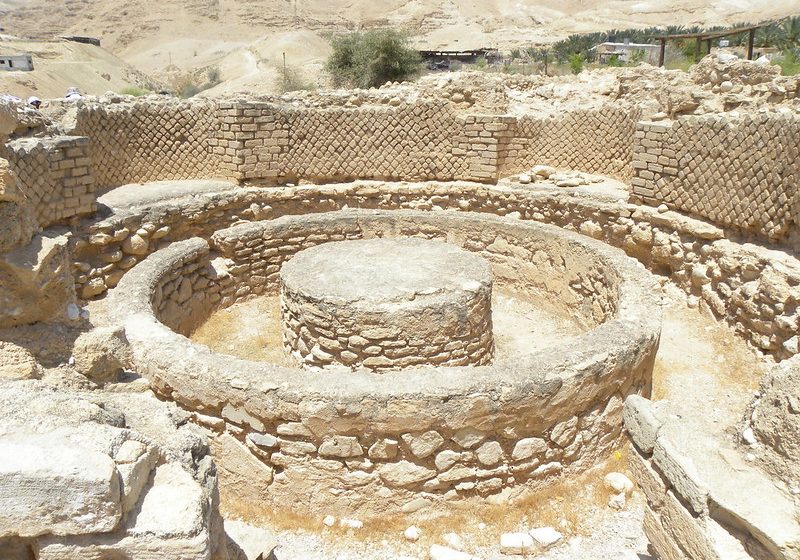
(73, 93)
(34, 102)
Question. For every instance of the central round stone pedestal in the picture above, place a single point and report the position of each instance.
(387, 304)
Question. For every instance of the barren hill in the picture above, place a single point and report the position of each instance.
(247, 39)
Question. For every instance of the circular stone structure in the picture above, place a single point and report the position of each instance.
(387, 304)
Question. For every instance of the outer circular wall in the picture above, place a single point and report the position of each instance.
(367, 443)
(387, 304)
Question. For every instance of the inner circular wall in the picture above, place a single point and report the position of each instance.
(367, 443)
(387, 304)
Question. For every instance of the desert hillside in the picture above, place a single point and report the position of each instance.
(61, 64)
(246, 40)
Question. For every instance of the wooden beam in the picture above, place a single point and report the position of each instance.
(698, 44)
(750, 40)
(661, 52)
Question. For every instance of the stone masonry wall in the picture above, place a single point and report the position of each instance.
(700, 492)
(482, 429)
(593, 141)
(756, 292)
(740, 172)
(145, 141)
(419, 141)
(54, 176)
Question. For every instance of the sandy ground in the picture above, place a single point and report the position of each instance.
(252, 329)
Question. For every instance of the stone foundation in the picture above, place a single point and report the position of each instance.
(387, 304)
(375, 442)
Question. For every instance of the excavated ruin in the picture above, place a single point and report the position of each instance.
(382, 226)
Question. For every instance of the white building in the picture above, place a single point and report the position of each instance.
(22, 62)
(625, 52)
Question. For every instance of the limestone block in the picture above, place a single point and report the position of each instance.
(17, 224)
(642, 422)
(404, 473)
(383, 449)
(423, 445)
(681, 473)
(102, 353)
(49, 485)
(527, 448)
(516, 543)
(170, 523)
(341, 446)
(17, 363)
(37, 281)
(135, 461)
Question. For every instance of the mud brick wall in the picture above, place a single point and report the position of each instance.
(53, 175)
(139, 142)
(412, 141)
(594, 141)
(740, 172)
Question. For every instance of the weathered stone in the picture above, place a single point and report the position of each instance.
(642, 422)
(383, 449)
(49, 485)
(423, 445)
(527, 448)
(404, 473)
(341, 446)
(490, 453)
(468, 437)
(102, 353)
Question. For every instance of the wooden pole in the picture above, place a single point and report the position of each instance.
(708, 47)
(750, 40)
(698, 44)
(661, 52)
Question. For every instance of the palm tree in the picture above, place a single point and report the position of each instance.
(791, 32)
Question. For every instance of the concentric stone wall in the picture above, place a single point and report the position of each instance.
(376, 445)
(756, 292)
(741, 172)
(146, 141)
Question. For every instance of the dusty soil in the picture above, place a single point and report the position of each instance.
(252, 329)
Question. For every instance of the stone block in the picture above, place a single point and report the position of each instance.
(682, 475)
(642, 422)
(49, 485)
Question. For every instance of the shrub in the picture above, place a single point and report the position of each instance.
(188, 85)
(290, 79)
(789, 61)
(576, 63)
(136, 91)
(372, 58)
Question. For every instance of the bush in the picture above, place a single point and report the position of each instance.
(372, 58)
(188, 85)
(135, 91)
(290, 79)
(789, 61)
(576, 63)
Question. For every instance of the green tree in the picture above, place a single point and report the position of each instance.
(372, 58)
(576, 63)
